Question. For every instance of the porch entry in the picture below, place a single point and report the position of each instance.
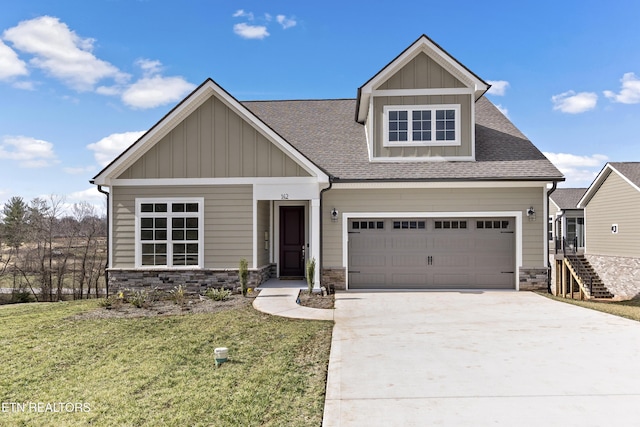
(292, 244)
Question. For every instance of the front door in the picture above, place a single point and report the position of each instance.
(292, 241)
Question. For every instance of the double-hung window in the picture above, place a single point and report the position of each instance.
(409, 125)
(169, 232)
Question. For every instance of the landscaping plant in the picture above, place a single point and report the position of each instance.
(311, 273)
(244, 275)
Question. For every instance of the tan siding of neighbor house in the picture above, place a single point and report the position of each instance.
(615, 202)
(213, 142)
(263, 226)
(228, 229)
(436, 200)
(422, 72)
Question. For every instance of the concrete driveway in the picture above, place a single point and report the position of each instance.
(479, 359)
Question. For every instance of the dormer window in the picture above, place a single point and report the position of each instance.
(417, 125)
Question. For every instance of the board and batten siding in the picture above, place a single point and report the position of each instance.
(422, 72)
(213, 142)
(228, 229)
(437, 200)
(615, 202)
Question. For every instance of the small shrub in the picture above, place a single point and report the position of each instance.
(21, 296)
(218, 294)
(244, 275)
(311, 273)
(178, 295)
(110, 302)
(139, 298)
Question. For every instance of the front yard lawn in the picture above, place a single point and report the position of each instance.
(629, 309)
(156, 371)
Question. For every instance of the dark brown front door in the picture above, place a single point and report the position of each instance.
(292, 241)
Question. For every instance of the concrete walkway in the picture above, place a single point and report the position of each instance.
(479, 359)
(279, 297)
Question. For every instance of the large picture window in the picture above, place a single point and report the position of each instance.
(169, 232)
(422, 125)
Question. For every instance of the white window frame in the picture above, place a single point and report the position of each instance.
(410, 109)
(169, 215)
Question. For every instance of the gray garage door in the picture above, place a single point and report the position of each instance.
(431, 253)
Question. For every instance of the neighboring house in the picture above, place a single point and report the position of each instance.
(612, 246)
(420, 182)
(566, 220)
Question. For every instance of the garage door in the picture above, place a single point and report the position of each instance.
(431, 253)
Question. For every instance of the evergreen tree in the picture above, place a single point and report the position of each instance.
(15, 222)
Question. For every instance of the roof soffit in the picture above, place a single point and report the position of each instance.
(427, 46)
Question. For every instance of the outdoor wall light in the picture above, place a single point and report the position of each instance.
(531, 214)
(334, 215)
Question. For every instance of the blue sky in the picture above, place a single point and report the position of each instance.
(79, 79)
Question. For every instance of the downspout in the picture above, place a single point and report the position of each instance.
(321, 222)
(553, 188)
(106, 266)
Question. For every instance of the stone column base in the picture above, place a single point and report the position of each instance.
(334, 278)
(534, 278)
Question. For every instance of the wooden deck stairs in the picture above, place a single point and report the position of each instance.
(582, 273)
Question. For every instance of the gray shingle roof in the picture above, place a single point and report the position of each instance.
(631, 170)
(567, 198)
(325, 132)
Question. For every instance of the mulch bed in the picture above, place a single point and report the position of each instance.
(316, 300)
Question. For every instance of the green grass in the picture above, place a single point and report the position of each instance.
(161, 371)
(629, 309)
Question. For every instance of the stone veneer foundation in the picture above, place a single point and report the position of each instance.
(534, 279)
(620, 275)
(195, 281)
(334, 278)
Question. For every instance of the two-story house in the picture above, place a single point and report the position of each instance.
(419, 182)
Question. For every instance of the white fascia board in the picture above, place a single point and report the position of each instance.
(155, 134)
(423, 159)
(624, 177)
(192, 103)
(423, 92)
(436, 184)
(442, 58)
(595, 185)
(304, 180)
(346, 216)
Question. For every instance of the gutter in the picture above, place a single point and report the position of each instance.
(331, 179)
(106, 266)
(553, 188)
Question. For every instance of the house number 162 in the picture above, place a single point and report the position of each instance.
(284, 196)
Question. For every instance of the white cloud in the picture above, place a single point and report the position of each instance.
(29, 152)
(579, 171)
(151, 92)
(286, 22)
(24, 85)
(247, 31)
(62, 53)
(574, 103)
(149, 67)
(109, 147)
(240, 13)
(79, 170)
(503, 110)
(498, 87)
(10, 65)
(630, 91)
